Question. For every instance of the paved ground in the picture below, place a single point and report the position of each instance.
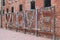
(12, 35)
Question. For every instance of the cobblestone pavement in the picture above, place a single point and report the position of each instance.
(12, 35)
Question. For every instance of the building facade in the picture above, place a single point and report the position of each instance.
(26, 4)
(15, 6)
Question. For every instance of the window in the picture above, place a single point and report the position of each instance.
(20, 7)
(12, 9)
(16, 0)
(10, 1)
(3, 2)
(32, 4)
(47, 3)
(7, 10)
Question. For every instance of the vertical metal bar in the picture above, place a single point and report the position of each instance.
(0, 20)
(12, 17)
(36, 22)
(17, 21)
(54, 35)
(24, 22)
(6, 21)
(1, 11)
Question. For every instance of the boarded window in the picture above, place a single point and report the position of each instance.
(3, 2)
(12, 9)
(32, 4)
(7, 10)
(20, 7)
(47, 3)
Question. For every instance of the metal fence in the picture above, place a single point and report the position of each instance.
(38, 21)
(48, 21)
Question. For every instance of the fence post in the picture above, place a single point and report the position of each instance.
(12, 15)
(54, 34)
(6, 20)
(0, 20)
(24, 22)
(36, 22)
(17, 24)
(1, 13)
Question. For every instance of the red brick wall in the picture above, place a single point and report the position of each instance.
(38, 4)
(57, 5)
(25, 3)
